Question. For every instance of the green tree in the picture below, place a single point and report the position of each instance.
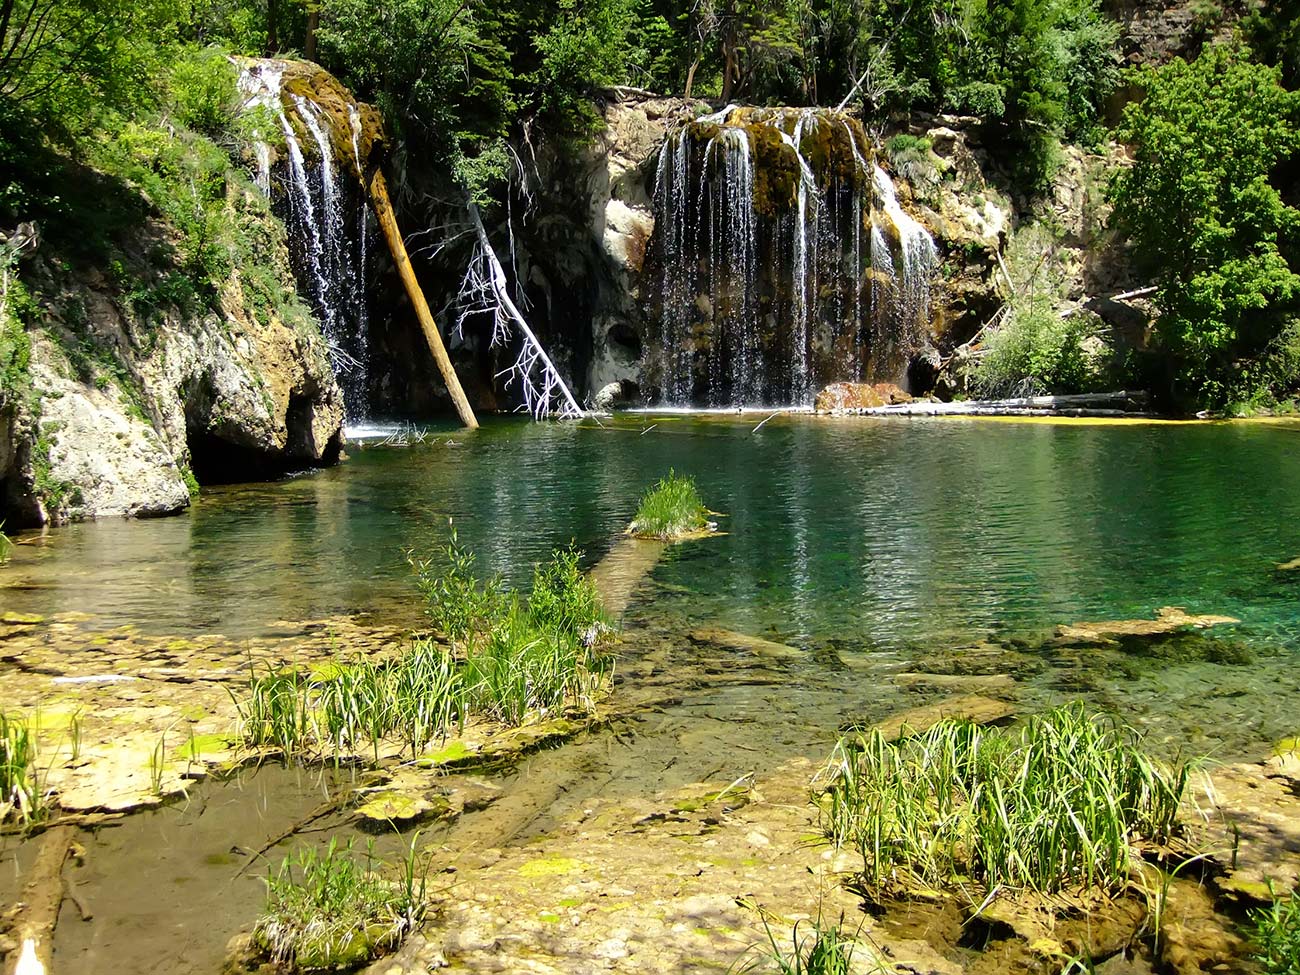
(1272, 29)
(1207, 220)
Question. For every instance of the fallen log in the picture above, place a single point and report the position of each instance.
(618, 574)
(38, 910)
(1121, 403)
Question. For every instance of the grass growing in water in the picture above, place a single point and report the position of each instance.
(823, 952)
(331, 909)
(511, 659)
(670, 509)
(1059, 802)
(1277, 935)
(20, 790)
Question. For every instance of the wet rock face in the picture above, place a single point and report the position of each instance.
(857, 396)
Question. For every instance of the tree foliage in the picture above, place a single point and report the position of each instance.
(1208, 221)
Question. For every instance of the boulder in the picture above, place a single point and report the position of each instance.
(859, 396)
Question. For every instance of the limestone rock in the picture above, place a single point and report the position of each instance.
(221, 387)
(1169, 619)
(968, 707)
(857, 396)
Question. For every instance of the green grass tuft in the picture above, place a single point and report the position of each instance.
(1059, 802)
(670, 509)
(21, 795)
(823, 951)
(331, 909)
(511, 659)
(1276, 934)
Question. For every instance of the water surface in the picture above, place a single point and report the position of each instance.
(886, 531)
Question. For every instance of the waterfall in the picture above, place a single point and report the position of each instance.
(909, 289)
(785, 261)
(325, 218)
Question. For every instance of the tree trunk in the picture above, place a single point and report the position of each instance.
(272, 34)
(503, 295)
(378, 192)
(39, 908)
(690, 78)
(309, 45)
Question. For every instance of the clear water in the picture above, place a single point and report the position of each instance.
(884, 532)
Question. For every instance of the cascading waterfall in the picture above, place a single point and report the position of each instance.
(327, 247)
(785, 261)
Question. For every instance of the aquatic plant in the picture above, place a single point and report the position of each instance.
(564, 598)
(823, 951)
(331, 909)
(20, 790)
(524, 667)
(510, 659)
(1275, 930)
(455, 600)
(670, 509)
(1059, 802)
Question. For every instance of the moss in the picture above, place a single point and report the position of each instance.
(551, 867)
(455, 752)
(776, 172)
(191, 482)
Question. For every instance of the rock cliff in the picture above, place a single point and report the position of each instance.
(132, 395)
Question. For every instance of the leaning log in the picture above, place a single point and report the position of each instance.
(38, 910)
(377, 190)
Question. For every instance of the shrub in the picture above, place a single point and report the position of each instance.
(1036, 351)
(202, 86)
(670, 509)
(564, 598)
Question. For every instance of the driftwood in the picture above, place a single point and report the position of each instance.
(377, 190)
(38, 913)
(1081, 404)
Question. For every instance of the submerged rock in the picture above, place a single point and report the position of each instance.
(1169, 619)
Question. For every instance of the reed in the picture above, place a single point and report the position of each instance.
(1059, 802)
(670, 509)
(21, 795)
(511, 660)
(333, 909)
(1275, 931)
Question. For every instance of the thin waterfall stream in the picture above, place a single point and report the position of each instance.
(327, 221)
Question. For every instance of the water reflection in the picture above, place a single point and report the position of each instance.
(887, 533)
